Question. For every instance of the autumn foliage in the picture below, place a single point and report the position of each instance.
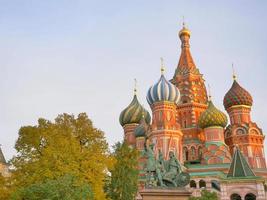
(50, 150)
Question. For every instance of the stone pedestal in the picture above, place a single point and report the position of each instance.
(165, 194)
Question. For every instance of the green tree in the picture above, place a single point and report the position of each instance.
(4, 188)
(69, 145)
(62, 188)
(206, 195)
(122, 183)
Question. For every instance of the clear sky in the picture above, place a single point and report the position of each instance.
(82, 56)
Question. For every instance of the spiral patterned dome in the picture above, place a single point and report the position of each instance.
(141, 129)
(212, 117)
(237, 95)
(163, 90)
(133, 113)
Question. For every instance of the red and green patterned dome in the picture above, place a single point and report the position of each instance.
(237, 95)
(212, 117)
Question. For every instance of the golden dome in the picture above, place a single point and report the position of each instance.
(184, 31)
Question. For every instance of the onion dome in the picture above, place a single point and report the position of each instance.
(212, 117)
(133, 113)
(184, 31)
(237, 95)
(141, 129)
(163, 90)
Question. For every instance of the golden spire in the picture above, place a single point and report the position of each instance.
(184, 30)
(162, 68)
(135, 86)
(234, 75)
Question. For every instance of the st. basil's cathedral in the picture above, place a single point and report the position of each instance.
(220, 156)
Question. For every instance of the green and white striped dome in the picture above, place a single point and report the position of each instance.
(133, 113)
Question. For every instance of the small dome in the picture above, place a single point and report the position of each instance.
(163, 90)
(184, 31)
(133, 113)
(237, 95)
(141, 129)
(212, 117)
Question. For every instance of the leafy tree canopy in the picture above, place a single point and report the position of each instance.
(58, 189)
(122, 184)
(4, 188)
(51, 150)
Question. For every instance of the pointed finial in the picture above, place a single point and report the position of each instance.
(162, 68)
(135, 86)
(183, 22)
(209, 93)
(234, 75)
(184, 30)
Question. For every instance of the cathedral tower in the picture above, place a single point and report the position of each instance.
(193, 99)
(242, 131)
(165, 132)
(213, 121)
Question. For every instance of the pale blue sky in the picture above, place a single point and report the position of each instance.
(82, 56)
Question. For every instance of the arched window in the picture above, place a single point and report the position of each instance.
(250, 196)
(185, 153)
(235, 197)
(193, 184)
(202, 184)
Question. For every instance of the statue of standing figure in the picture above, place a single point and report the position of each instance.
(150, 166)
(164, 173)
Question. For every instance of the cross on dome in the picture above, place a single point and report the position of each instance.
(234, 75)
(162, 67)
(135, 86)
